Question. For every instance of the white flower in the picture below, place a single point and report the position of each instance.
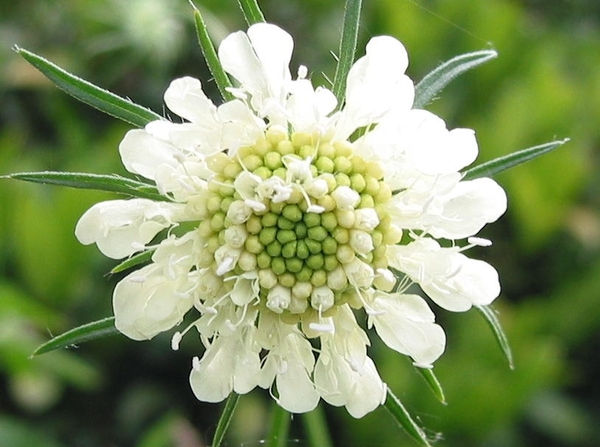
(292, 224)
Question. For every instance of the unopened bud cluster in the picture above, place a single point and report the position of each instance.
(304, 216)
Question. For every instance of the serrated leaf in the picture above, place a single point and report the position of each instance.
(211, 57)
(433, 382)
(251, 11)
(497, 165)
(438, 78)
(403, 417)
(91, 331)
(100, 182)
(348, 42)
(91, 94)
(138, 259)
(492, 320)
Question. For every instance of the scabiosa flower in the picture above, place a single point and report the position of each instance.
(285, 217)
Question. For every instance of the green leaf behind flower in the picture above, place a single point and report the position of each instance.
(135, 260)
(492, 320)
(91, 331)
(100, 182)
(251, 11)
(347, 48)
(437, 79)
(500, 164)
(91, 94)
(433, 382)
(403, 417)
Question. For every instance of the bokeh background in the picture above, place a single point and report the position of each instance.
(115, 392)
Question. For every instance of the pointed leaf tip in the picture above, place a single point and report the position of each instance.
(492, 319)
(91, 331)
(437, 79)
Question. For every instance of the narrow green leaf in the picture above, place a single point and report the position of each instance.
(211, 57)
(403, 417)
(433, 382)
(91, 331)
(225, 419)
(492, 319)
(279, 427)
(100, 182)
(90, 94)
(437, 79)
(347, 48)
(500, 164)
(316, 428)
(251, 11)
(138, 259)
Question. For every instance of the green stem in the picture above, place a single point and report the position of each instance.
(225, 419)
(211, 57)
(316, 428)
(347, 47)
(280, 427)
(251, 11)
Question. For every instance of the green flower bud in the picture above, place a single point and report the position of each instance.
(289, 249)
(292, 213)
(278, 266)
(285, 236)
(317, 233)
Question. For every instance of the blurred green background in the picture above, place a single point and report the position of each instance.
(116, 392)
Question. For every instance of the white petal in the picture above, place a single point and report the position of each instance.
(405, 324)
(211, 378)
(297, 392)
(146, 303)
(432, 147)
(376, 85)
(185, 97)
(467, 208)
(121, 227)
(142, 153)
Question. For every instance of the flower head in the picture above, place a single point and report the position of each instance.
(300, 216)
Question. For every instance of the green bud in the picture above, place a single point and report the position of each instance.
(345, 254)
(318, 278)
(267, 235)
(313, 246)
(224, 206)
(287, 280)
(341, 235)
(315, 262)
(280, 172)
(331, 262)
(285, 236)
(274, 249)
(217, 221)
(317, 233)
(342, 164)
(278, 266)
(213, 204)
(232, 170)
(292, 213)
(289, 249)
(285, 147)
(302, 251)
(263, 260)
(329, 246)
(253, 244)
(253, 224)
(269, 220)
(304, 274)
(275, 135)
(357, 182)
(366, 201)
(262, 146)
(252, 162)
(273, 160)
(343, 148)
(294, 265)
(328, 221)
(312, 219)
(306, 151)
(325, 164)
(263, 172)
(204, 228)
(372, 187)
(284, 223)
(342, 179)
(301, 230)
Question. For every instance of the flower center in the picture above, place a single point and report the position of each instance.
(303, 217)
